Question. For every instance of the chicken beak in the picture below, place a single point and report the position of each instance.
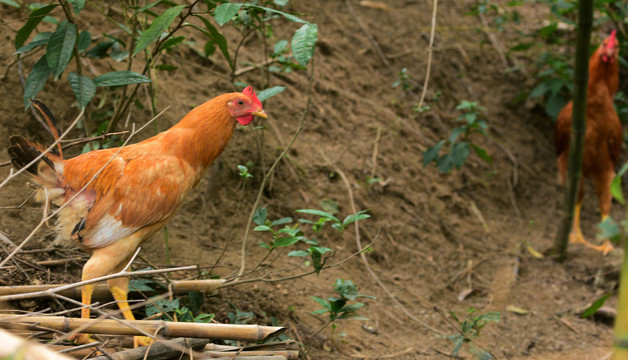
(260, 112)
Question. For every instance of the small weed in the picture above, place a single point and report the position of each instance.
(459, 140)
(470, 330)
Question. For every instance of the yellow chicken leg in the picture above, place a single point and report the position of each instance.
(119, 288)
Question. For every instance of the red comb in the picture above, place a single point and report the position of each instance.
(248, 91)
(612, 37)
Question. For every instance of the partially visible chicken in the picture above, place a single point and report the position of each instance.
(603, 137)
(137, 193)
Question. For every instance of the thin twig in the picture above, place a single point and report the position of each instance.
(430, 51)
(272, 169)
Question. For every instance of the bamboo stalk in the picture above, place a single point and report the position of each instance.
(252, 333)
(620, 332)
(272, 357)
(101, 291)
(14, 347)
(158, 350)
(288, 354)
(578, 127)
(52, 262)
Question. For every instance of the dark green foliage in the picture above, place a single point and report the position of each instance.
(338, 307)
(459, 140)
(470, 330)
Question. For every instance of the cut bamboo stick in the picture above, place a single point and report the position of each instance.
(14, 347)
(168, 329)
(272, 357)
(158, 350)
(288, 354)
(101, 291)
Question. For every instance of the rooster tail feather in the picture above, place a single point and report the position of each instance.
(23, 152)
(51, 121)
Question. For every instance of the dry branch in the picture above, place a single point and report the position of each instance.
(168, 329)
(14, 347)
(157, 351)
(101, 291)
(288, 354)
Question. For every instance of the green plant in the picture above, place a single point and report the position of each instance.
(404, 81)
(291, 235)
(470, 330)
(244, 172)
(185, 309)
(338, 307)
(459, 140)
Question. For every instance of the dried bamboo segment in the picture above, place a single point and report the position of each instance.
(158, 350)
(101, 291)
(252, 333)
(272, 357)
(18, 348)
(183, 286)
(288, 354)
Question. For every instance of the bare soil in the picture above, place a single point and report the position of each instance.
(441, 242)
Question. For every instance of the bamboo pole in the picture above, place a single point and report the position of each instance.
(262, 357)
(101, 291)
(158, 350)
(620, 332)
(578, 128)
(252, 333)
(14, 347)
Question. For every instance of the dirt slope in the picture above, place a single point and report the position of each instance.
(435, 236)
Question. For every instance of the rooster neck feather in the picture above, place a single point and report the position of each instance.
(603, 74)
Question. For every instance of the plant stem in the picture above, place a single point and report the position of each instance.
(578, 128)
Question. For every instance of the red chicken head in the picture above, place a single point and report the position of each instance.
(244, 109)
(609, 50)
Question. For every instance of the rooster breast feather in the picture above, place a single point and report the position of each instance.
(132, 192)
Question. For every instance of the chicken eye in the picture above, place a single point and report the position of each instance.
(240, 102)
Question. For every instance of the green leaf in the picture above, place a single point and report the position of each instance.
(459, 153)
(616, 190)
(33, 20)
(457, 131)
(166, 67)
(322, 213)
(324, 303)
(445, 163)
(140, 285)
(60, 47)
(430, 154)
(555, 103)
(285, 241)
(218, 38)
(539, 90)
(36, 80)
(157, 27)
(298, 253)
(117, 78)
(270, 92)
(10, 3)
(481, 152)
(595, 306)
(280, 46)
(609, 229)
(172, 42)
(226, 12)
(84, 40)
(100, 49)
(281, 221)
(83, 88)
(144, 8)
(303, 43)
(361, 215)
(259, 217)
(262, 228)
(30, 46)
(78, 5)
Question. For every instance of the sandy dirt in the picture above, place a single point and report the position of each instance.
(435, 237)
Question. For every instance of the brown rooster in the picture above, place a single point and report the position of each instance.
(603, 137)
(137, 193)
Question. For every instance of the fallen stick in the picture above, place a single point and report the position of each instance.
(272, 357)
(251, 333)
(158, 350)
(101, 291)
(288, 354)
(14, 347)
(53, 262)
